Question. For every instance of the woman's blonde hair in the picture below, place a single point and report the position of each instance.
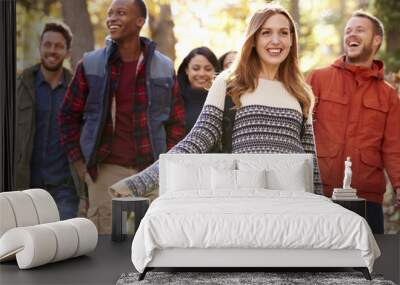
(247, 66)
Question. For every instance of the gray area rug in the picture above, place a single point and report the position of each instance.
(243, 278)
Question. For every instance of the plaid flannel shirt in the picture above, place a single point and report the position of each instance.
(70, 119)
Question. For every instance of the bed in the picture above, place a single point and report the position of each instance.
(247, 210)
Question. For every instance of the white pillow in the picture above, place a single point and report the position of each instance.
(183, 177)
(292, 180)
(222, 179)
(282, 175)
(251, 178)
(193, 176)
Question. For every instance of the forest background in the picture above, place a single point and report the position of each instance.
(178, 26)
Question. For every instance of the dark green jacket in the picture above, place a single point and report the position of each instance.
(26, 126)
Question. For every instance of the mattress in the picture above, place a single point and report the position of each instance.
(250, 219)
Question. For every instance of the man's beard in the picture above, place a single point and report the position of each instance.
(364, 55)
(52, 68)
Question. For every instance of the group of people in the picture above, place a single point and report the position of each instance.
(104, 127)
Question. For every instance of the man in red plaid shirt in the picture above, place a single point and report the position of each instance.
(121, 110)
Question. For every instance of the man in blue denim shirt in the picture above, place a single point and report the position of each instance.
(40, 159)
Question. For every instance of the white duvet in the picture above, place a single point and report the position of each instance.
(254, 218)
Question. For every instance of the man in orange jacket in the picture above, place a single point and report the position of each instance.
(357, 114)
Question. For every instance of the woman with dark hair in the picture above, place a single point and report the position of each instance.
(271, 99)
(227, 59)
(195, 75)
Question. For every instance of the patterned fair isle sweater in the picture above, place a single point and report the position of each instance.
(269, 121)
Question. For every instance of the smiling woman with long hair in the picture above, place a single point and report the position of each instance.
(270, 51)
(195, 75)
(272, 102)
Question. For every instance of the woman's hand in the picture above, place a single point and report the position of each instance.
(120, 189)
(116, 194)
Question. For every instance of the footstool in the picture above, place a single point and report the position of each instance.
(137, 205)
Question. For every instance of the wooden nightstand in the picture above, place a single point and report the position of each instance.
(356, 205)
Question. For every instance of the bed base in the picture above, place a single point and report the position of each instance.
(363, 270)
(240, 260)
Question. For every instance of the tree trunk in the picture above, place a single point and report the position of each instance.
(162, 31)
(387, 12)
(392, 40)
(295, 12)
(343, 11)
(76, 16)
(29, 51)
